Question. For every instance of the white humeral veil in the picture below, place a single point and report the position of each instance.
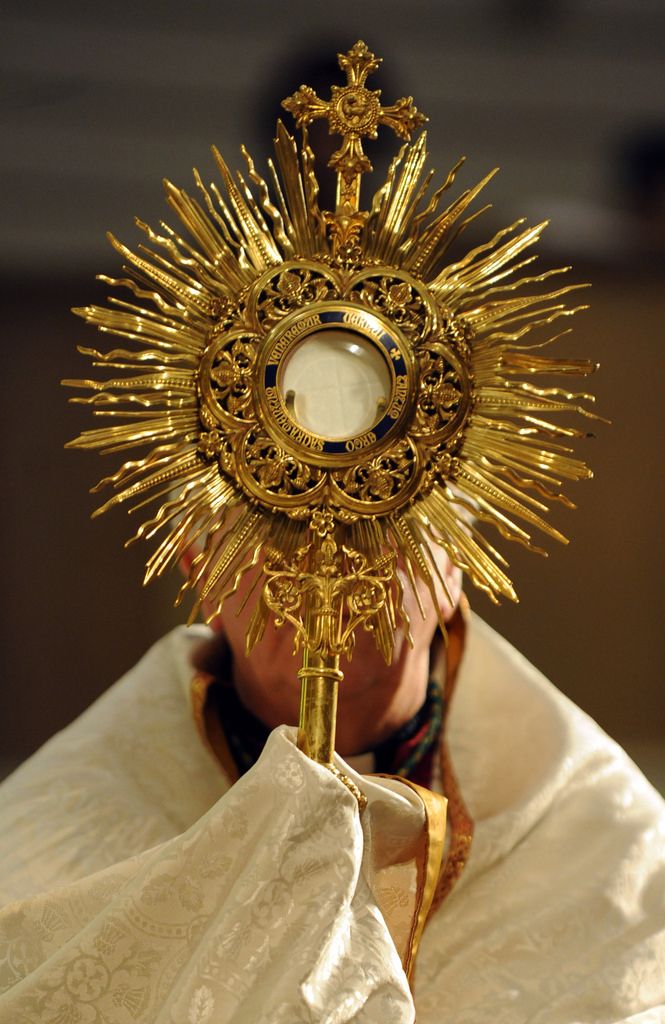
(139, 887)
(261, 911)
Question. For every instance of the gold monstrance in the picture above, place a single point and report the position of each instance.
(433, 428)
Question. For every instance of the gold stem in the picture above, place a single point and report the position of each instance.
(319, 678)
(348, 193)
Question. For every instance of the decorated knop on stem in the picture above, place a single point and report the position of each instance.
(316, 394)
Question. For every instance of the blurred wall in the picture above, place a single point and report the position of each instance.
(100, 104)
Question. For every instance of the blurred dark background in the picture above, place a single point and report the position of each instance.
(99, 102)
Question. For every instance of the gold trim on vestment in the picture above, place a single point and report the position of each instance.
(460, 822)
(428, 865)
(209, 726)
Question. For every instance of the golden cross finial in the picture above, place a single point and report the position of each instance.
(354, 112)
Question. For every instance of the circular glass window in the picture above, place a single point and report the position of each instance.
(335, 383)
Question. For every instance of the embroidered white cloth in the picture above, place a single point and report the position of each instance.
(148, 891)
(260, 911)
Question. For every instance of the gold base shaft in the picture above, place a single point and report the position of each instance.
(319, 678)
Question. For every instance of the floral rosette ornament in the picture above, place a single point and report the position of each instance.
(321, 393)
